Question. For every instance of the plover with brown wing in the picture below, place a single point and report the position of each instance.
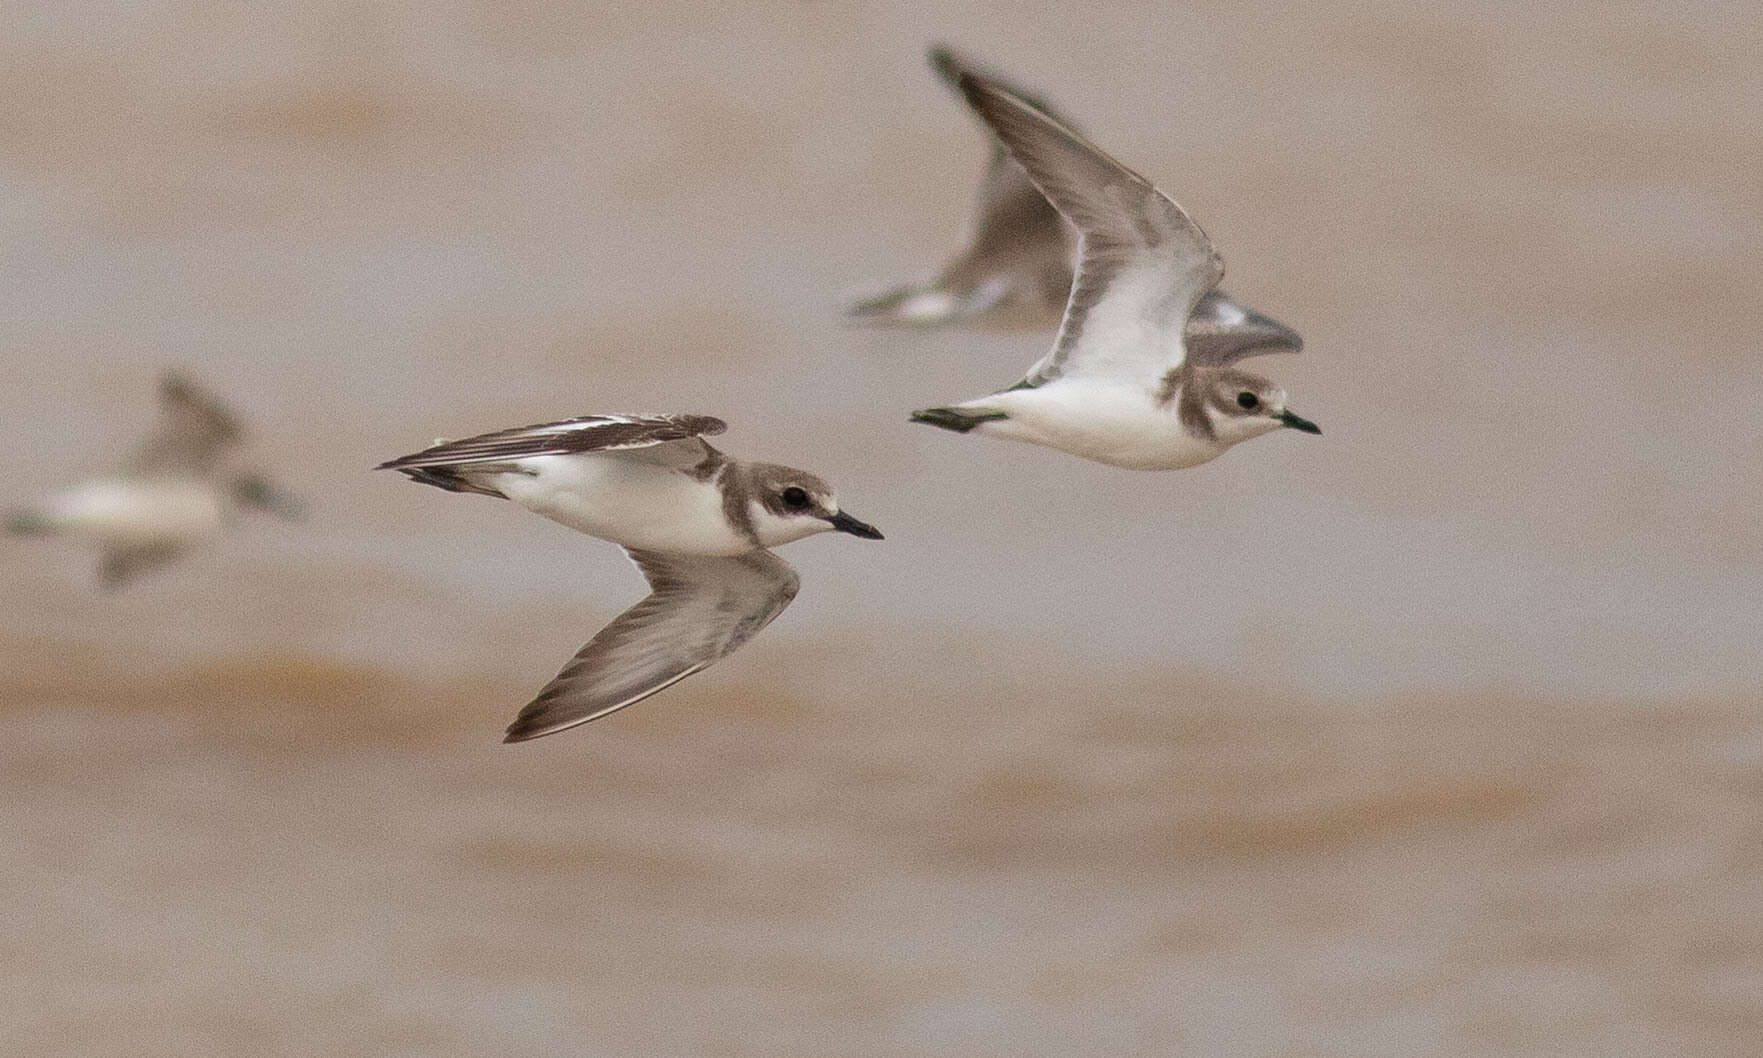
(180, 490)
(1125, 384)
(1019, 258)
(698, 524)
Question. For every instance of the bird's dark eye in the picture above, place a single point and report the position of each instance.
(795, 498)
(1248, 401)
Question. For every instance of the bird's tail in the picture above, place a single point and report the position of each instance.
(955, 418)
(447, 478)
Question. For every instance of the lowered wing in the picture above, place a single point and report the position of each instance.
(700, 608)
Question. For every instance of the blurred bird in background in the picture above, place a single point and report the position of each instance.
(182, 488)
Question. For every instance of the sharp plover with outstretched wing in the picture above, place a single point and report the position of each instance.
(1019, 257)
(179, 490)
(697, 524)
(1124, 385)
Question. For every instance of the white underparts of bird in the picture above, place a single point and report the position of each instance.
(698, 524)
(1126, 382)
(180, 489)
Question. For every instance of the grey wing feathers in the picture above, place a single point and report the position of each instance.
(950, 64)
(700, 609)
(1011, 215)
(1018, 251)
(1221, 332)
(1124, 224)
(194, 430)
(591, 433)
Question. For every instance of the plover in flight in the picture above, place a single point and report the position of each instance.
(178, 491)
(1123, 385)
(1018, 260)
(697, 524)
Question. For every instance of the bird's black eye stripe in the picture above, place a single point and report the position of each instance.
(795, 498)
(1247, 400)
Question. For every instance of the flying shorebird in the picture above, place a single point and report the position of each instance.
(698, 524)
(1018, 260)
(1123, 384)
(178, 491)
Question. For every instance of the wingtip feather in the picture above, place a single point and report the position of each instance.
(516, 733)
(972, 87)
(945, 61)
(536, 719)
(175, 384)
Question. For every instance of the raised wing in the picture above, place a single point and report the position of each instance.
(950, 65)
(1142, 263)
(1018, 250)
(1220, 332)
(1010, 211)
(195, 429)
(672, 439)
(700, 608)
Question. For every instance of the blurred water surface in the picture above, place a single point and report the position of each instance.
(1435, 734)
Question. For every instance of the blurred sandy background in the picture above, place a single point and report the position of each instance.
(1439, 734)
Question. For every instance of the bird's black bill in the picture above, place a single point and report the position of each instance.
(844, 523)
(1298, 422)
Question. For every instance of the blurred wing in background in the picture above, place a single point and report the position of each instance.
(1020, 247)
(194, 430)
(122, 563)
(700, 608)
(1014, 224)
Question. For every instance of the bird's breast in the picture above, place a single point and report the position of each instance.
(1119, 425)
(631, 503)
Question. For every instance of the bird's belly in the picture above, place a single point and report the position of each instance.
(144, 512)
(630, 503)
(1119, 426)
